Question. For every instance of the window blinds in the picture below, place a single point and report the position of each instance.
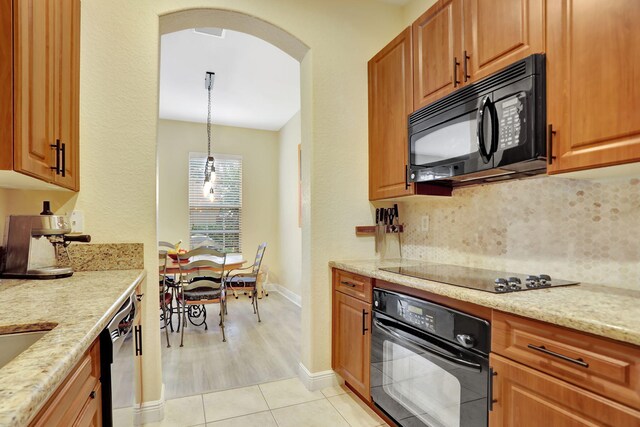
(217, 221)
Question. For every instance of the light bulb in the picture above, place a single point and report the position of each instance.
(207, 188)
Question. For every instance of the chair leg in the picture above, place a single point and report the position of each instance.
(184, 322)
(257, 310)
(222, 310)
(164, 315)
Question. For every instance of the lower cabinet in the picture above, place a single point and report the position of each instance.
(351, 339)
(525, 396)
(78, 401)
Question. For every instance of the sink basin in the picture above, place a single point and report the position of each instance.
(11, 345)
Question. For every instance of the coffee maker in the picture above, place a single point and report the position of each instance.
(32, 244)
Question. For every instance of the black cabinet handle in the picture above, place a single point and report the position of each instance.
(364, 322)
(56, 146)
(550, 156)
(490, 399)
(63, 154)
(92, 395)
(137, 334)
(455, 72)
(344, 282)
(466, 67)
(543, 349)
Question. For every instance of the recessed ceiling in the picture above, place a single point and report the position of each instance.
(256, 84)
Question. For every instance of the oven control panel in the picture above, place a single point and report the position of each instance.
(417, 315)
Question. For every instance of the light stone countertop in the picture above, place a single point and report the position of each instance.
(600, 310)
(79, 307)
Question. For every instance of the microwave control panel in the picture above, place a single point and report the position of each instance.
(511, 119)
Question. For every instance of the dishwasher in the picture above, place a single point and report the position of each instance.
(120, 343)
(429, 363)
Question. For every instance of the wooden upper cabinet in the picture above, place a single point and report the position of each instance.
(34, 62)
(390, 102)
(593, 95)
(41, 56)
(524, 396)
(437, 49)
(498, 33)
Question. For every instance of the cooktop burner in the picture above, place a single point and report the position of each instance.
(478, 278)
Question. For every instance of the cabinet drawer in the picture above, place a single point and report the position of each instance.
(352, 284)
(66, 404)
(606, 367)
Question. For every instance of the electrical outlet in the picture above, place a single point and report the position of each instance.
(425, 223)
(77, 222)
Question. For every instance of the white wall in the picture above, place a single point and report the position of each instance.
(415, 8)
(290, 271)
(259, 151)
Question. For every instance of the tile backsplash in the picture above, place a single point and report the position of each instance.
(570, 229)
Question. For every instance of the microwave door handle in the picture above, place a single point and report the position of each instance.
(486, 107)
(441, 355)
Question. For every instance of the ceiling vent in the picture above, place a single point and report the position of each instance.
(215, 32)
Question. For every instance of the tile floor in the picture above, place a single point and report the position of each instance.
(285, 403)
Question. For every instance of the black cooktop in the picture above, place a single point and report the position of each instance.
(477, 278)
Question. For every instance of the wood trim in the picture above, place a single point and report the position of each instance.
(467, 307)
(6, 84)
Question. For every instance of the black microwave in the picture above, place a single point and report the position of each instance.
(491, 130)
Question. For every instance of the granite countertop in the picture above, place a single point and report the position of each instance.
(600, 310)
(78, 308)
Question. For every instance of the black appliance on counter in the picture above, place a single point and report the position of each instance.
(478, 278)
(429, 363)
(491, 130)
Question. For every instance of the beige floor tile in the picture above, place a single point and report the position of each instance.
(355, 411)
(288, 392)
(182, 412)
(233, 403)
(261, 419)
(123, 417)
(319, 413)
(335, 390)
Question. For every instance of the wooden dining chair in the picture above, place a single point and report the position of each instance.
(201, 281)
(246, 279)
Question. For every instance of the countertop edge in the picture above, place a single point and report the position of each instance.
(39, 400)
(577, 323)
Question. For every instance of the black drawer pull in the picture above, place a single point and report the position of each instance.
(344, 282)
(364, 322)
(543, 349)
(56, 146)
(63, 154)
(456, 82)
(92, 394)
(550, 156)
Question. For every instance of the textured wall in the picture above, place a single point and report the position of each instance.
(579, 230)
(259, 151)
(290, 271)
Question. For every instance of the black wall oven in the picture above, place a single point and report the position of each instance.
(492, 128)
(429, 363)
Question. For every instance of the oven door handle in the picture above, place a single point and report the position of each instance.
(454, 360)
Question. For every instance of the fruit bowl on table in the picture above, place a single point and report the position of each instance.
(175, 258)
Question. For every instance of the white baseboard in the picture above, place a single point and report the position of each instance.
(291, 296)
(317, 380)
(149, 412)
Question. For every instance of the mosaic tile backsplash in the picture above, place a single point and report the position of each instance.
(570, 229)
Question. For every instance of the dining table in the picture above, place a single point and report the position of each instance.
(233, 262)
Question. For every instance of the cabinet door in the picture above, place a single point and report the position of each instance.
(67, 80)
(437, 50)
(390, 102)
(593, 95)
(524, 396)
(352, 341)
(34, 132)
(498, 33)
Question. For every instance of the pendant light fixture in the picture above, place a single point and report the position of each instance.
(209, 168)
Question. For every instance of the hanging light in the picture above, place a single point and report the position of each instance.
(209, 167)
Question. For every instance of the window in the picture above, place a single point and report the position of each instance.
(216, 221)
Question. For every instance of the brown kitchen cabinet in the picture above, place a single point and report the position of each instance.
(498, 33)
(78, 401)
(437, 51)
(525, 396)
(351, 334)
(593, 95)
(39, 112)
(390, 103)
